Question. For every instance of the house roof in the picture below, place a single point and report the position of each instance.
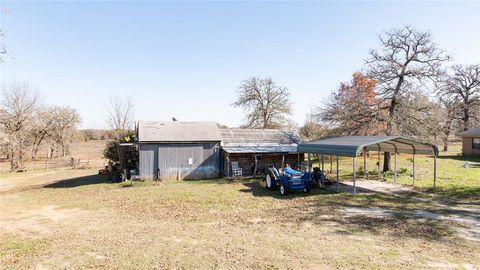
(353, 145)
(237, 140)
(150, 131)
(471, 132)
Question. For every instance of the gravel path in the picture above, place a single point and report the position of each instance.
(469, 217)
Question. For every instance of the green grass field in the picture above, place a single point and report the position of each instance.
(453, 179)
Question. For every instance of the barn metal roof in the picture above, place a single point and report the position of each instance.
(150, 131)
(260, 148)
(354, 145)
(471, 132)
(238, 140)
(246, 136)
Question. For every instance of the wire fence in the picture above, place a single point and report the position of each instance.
(48, 164)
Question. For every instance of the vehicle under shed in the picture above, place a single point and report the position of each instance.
(257, 149)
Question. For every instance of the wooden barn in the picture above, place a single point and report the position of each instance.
(178, 150)
(256, 149)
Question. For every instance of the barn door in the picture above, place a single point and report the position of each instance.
(146, 164)
(179, 161)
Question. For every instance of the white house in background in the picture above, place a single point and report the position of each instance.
(471, 142)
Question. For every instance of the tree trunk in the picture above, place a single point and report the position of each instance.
(13, 162)
(445, 141)
(466, 117)
(386, 161)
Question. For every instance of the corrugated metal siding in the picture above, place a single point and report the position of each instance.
(172, 160)
(147, 163)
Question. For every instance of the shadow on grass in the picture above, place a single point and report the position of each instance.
(257, 189)
(454, 194)
(218, 181)
(78, 181)
(377, 214)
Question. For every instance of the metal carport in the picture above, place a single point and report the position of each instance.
(353, 146)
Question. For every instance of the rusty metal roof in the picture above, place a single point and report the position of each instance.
(237, 140)
(242, 136)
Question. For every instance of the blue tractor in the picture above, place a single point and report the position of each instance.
(287, 178)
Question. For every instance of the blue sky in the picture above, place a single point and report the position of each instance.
(186, 59)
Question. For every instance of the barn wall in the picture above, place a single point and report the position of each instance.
(247, 162)
(182, 161)
(147, 165)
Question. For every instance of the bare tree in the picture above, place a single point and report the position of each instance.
(5, 146)
(418, 116)
(312, 130)
(17, 105)
(64, 121)
(40, 124)
(451, 112)
(265, 103)
(407, 57)
(463, 85)
(120, 119)
(121, 113)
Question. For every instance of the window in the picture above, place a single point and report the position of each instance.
(476, 143)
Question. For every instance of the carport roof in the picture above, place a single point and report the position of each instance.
(353, 145)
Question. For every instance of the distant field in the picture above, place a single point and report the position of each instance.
(91, 152)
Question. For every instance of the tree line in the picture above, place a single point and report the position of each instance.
(26, 124)
(406, 87)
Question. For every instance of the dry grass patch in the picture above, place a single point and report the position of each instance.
(220, 224)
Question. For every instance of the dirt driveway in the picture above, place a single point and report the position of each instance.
(448, 209)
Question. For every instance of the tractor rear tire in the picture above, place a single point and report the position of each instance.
(306, 188)
(283, 189)
(269, 182)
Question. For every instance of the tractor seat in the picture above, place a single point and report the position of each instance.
(274, 172)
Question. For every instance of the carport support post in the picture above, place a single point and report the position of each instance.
(434, 171)
(331, 161)
(364, 163)
(338, 185)
(413, 173)
(395, 167)
(283, 161)
(378, 162)
(322, 165)
(309, 161)
(354, 176)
